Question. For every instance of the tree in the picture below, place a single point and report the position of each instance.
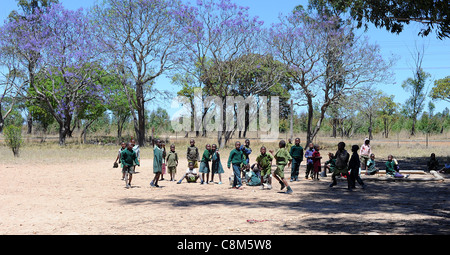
(217, 35)
(441, 89)
(416, 86)
(68, 64)
(388, 110)
(394, 14)
(301, 42)
(142, 41)
(13, 138)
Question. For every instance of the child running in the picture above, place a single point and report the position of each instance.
(172, 162)
(128, 159)
(216, 165)
(204, 164)
(236, 159)
(123, 146)
(264, 161)
(282, 158)
(342, 158)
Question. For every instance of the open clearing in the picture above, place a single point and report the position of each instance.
(76, 191)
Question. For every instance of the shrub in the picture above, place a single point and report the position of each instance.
(13, 138)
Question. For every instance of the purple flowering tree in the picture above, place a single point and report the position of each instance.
(66, 64)
(303, 42)
(143, 42)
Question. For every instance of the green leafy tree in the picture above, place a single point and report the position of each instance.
(13, 138)
(441, 89)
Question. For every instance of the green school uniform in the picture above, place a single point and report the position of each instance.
(282, 158)
(157, 160)
(236, 158)
(296, 152)
(172, 162)
(204, 165)
(265, 162)
(216, 165)
(390, 170)
(128, 159)
(332, 164)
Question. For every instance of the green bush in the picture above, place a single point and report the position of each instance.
(13, 138)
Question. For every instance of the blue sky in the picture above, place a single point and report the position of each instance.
(436, 60)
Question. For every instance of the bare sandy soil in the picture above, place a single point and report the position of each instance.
(87, 197)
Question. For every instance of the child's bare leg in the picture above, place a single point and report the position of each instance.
(212, 177)
(130, 177)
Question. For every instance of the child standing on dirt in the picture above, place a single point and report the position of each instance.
(204, 164)
(236, 159)
(309, 162)
(216, 165)
(193, 154)
(264, 161)
(128, 159)
(296, 152)
(163, 165)
(172, 162)
(316, 162)
(282, 158)
(157, 163)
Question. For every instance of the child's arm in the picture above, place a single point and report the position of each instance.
(229, 159)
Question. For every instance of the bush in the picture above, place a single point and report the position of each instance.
(13, 138)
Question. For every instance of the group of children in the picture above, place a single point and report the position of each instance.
(260, 173)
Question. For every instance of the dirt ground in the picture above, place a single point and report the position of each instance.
(87, 197)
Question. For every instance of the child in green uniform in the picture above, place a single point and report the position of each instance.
(264, 161)
(128, 159)
(296, 153)
(330, 165)
(157, 163)
(204, 164)
(192, 153)
(216, 165)
(172, 162)
(282, 158)
(236, 159)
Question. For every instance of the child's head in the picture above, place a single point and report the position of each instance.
(372, 156)
(367, 141)
(237, 145)
(192, 142)
(331, 155)
(163, 144)
(133, 142)
(433, 156)
(355, 148)
(208, 146)
(130, 146)
(158, 143)
(263, 150)
(311, 146)
(282, 144)
(214, 147)
(124, 145)
(341, 146)
(317, 147)
(247, 142)
(289, 140)
(297, 141)
(390, 157)
(172, 147)
(191, 165)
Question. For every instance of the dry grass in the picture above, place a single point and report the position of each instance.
(400, 146)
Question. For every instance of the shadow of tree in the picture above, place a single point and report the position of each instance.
(325, 207)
